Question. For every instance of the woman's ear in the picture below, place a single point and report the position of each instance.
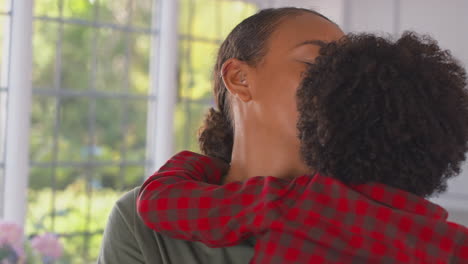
(235, 74)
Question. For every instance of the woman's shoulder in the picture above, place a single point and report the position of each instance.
(123, 214)
(128, 240)
(126, 204)
(121, 243)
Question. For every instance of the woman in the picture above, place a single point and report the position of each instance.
(384, 123)
(262, 61)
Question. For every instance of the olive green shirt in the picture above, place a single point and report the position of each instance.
(128, 240)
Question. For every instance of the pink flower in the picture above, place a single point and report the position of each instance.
(11, 234)
(48, 245)
(11, 240)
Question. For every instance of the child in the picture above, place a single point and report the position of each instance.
(384, 125)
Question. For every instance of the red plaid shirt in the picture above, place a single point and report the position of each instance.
(308, 219)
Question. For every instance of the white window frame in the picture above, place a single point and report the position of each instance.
(18, 111)
(19, 41)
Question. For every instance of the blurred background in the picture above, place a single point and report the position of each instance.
(118, 85)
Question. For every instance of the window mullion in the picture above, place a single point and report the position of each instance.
(18, 112)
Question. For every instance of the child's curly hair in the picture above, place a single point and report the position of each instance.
(373, 110)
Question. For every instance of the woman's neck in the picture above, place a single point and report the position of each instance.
(264, 155)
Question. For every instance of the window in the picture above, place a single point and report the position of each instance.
(5, 16)
(91, 93)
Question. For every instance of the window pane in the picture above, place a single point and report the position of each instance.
(139, 64)
(212, 19)
(112, 60)
(3, 5)
(135, 130)
(114, 11)
(134, 176)
(136, 13)
(44, 59)
(141, 16)
(42, 128)
(94, 243)
(73, 204)
(108, 137)
(199, 18)
(188, 119)
(82, 9)
(70, 176)
(74, 141)
(196, 73)
(232, 13)
(46, 8)
(40, 201)
(109, 179)
(123, 61)
(106, 178)
(73, 246)
(76, 57)
(58, 211)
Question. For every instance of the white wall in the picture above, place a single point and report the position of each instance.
(447, 21)
(376, 16)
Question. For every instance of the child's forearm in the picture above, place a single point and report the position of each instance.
(177, 202)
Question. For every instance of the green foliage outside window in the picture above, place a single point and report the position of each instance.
(83, 194)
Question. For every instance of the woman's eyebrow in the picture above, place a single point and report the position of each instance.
(319, 43)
